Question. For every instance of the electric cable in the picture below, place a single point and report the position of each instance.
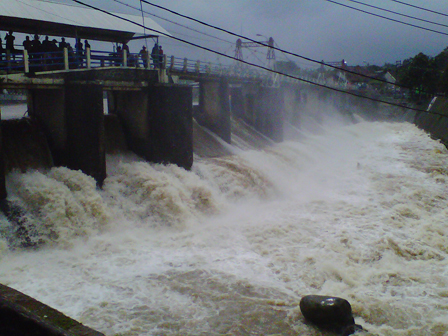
(173, 22)
(384, 17)
(400, 14)
(261, 67)
(143, 19)
(273, 47)
(421, 8)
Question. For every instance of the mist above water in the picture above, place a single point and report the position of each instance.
(352, 210)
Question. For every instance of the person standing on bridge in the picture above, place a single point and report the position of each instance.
(161, 58)
(62, 44)
(87, 49)
(9, 39)
(36, 49)
(79, 52)
(144, 56)
(27, 44)
(1, 50)
(155, 56)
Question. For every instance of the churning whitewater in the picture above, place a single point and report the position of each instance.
(357, 211)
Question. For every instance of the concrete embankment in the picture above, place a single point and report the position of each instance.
(21, 315)
(435, 120)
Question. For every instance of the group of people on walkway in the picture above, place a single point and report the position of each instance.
(157, 56)
(44, 54)
(49, 54)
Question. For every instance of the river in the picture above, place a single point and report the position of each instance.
(357, 211)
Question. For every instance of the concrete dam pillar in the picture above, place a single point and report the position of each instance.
(269, 113)
(85, 146)
(47, 106)
(214, 108)
(261, 107)
(157, 122)
(73, 121)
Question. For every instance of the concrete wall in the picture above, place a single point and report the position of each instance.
(435, 121)
(24, 145)
(115, 138)
(261, 107)
(21, 315)
(85, 147)
(72, 119)
(269, 111)
(48, 108)
(214, 108)
(157, 122)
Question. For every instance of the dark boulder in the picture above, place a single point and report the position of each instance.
(328, 312)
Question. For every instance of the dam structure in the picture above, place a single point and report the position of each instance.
(83, 107)
(149, 106)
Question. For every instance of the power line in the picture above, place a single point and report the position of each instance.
(400, 14)
(259, 66)
(421, 8)
(274, 47)
(386, 18)
(173, 22)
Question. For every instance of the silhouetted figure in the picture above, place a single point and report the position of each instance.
(79, 51)
(161, 58)
(71, 55)
(46, 49)
(55, 56)
(62, 44)
(46, 45)
(27, 44)
(119, 56)
(144, 56)
(126, 47)
(36, 49)
(155, 55)
(9, 41)
(2, 50)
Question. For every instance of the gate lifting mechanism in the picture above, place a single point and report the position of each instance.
(270, 54)
(240, 45)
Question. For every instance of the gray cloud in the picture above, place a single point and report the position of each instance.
(313, 28)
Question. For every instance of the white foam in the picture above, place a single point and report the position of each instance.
(358, 211)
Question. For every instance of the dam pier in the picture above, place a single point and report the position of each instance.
(145, 115)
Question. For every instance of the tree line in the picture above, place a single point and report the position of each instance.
(425, 76)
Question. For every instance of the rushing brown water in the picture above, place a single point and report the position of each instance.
(357, 211)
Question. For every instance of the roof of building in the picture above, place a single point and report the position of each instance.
(57, 19)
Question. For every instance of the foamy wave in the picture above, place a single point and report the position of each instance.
(59, 206)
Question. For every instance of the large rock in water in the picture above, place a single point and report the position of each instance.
(330, 313)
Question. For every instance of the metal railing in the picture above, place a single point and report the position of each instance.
(68, 59)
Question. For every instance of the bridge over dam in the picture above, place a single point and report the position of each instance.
(69, 125)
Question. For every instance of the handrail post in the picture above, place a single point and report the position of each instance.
(66, 64)
(88, 58)
(26, 61)
(172, 63)
(209, 68)
(185, 68)
(125, 58)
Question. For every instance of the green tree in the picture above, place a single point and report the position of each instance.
(420, 75)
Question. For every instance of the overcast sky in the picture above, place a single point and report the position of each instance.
(316, 29)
